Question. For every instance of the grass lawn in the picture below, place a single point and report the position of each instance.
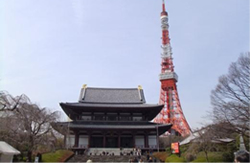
(175, 158)
(167, 157)
(57, 156)
(212, 157)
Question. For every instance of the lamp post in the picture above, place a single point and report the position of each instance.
(68, 134)
(157, 132)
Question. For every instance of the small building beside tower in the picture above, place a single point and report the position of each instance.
(7, 152)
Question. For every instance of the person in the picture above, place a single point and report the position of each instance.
(135, 159)
(39, 155)
(89, 161)
(242, 156)
(141, 161)
(134, 151)
(147, 156)
(139, 151)
(150, 159)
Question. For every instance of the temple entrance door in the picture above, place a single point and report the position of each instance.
(112, 142)
(127, 142)
(96, 142)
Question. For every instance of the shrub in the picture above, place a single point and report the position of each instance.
(190, 157)
(228, 157)
(175, 158)
(161, 155)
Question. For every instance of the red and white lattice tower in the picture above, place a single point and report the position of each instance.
(171, 112)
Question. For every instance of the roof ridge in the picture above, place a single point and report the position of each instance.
(93, 102)
(112, 88)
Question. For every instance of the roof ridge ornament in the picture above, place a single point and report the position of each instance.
(84, 86)
(139, 92)
(139, 87)
(83, 91)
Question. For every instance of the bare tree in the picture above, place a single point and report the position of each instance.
(230, 99)
(10, 103)
(28, 124)
(204, 141)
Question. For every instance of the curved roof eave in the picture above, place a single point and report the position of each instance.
(162, 128)
(73, 109)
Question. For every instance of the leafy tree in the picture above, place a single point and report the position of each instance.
(28, 124)
(230, 99)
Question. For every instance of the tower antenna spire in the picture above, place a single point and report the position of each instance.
(163, 5)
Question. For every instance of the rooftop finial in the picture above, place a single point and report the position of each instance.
(139, 87)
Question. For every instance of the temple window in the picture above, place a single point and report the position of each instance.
(99, 116)
(125, 116)
(112, 116)
(137, 118)
(86, 117)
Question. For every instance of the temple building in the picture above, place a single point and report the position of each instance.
(112, 118)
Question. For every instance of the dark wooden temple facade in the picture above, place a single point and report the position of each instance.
(112, 118)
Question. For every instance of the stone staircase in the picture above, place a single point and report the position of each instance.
(108, 155)
(96, 158)
(108, 151)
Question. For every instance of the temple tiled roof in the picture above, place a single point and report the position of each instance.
(112, 95)
(129, 100)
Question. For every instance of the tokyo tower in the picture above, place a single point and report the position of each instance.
(171, 112)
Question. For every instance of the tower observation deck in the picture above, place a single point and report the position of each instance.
(172, 111)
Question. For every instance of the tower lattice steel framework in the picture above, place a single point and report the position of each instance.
(171, 112)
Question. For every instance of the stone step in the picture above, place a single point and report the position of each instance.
(108, 151)
(84, 158)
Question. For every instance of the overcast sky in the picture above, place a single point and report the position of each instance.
(50, 48)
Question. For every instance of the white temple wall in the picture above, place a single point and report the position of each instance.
(152, 141)
(70, 140)
(83, 141)
(139, 141)
(6, 158)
